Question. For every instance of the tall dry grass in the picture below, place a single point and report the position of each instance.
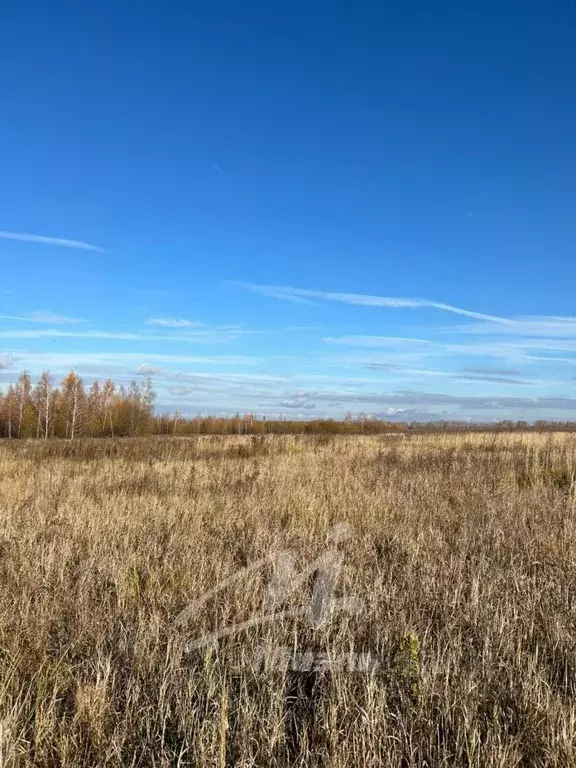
(463, 551)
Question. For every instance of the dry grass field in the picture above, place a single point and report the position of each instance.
(461, 547)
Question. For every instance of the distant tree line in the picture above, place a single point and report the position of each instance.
(71, 411)
(105, 410)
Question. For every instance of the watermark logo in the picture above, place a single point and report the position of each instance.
(285, 581)
(274, 658)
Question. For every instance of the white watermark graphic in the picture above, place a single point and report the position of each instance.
(285, 581)
(276, 658)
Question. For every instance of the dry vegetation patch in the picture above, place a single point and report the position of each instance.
(461, 548)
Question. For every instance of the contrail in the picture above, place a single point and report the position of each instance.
(293, 294)
(49, 240)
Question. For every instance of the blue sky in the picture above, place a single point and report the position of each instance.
(300, 209)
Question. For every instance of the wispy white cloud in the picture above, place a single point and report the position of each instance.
(126, 360)
(388, 342)
(271, 292)
(169, 322)
(404, 398)
(516, 348)
(544, 326)
(43, 316)
(489, 370)
(58, 334)
(302, 295)
(496, 379)
(191, 337)
(6, 361)
(375, 353)
(259, 378)
(49, 240)
(297, 402)
(197, 328)
(145, 369)
(396, 372)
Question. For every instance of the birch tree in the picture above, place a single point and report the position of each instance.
(74, 403)
(43, 395)
(23, 394)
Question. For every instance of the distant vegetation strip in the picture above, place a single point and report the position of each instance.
(71, 410)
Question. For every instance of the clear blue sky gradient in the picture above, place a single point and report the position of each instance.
(217, 151)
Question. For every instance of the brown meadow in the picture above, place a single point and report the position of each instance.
(462, 550)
